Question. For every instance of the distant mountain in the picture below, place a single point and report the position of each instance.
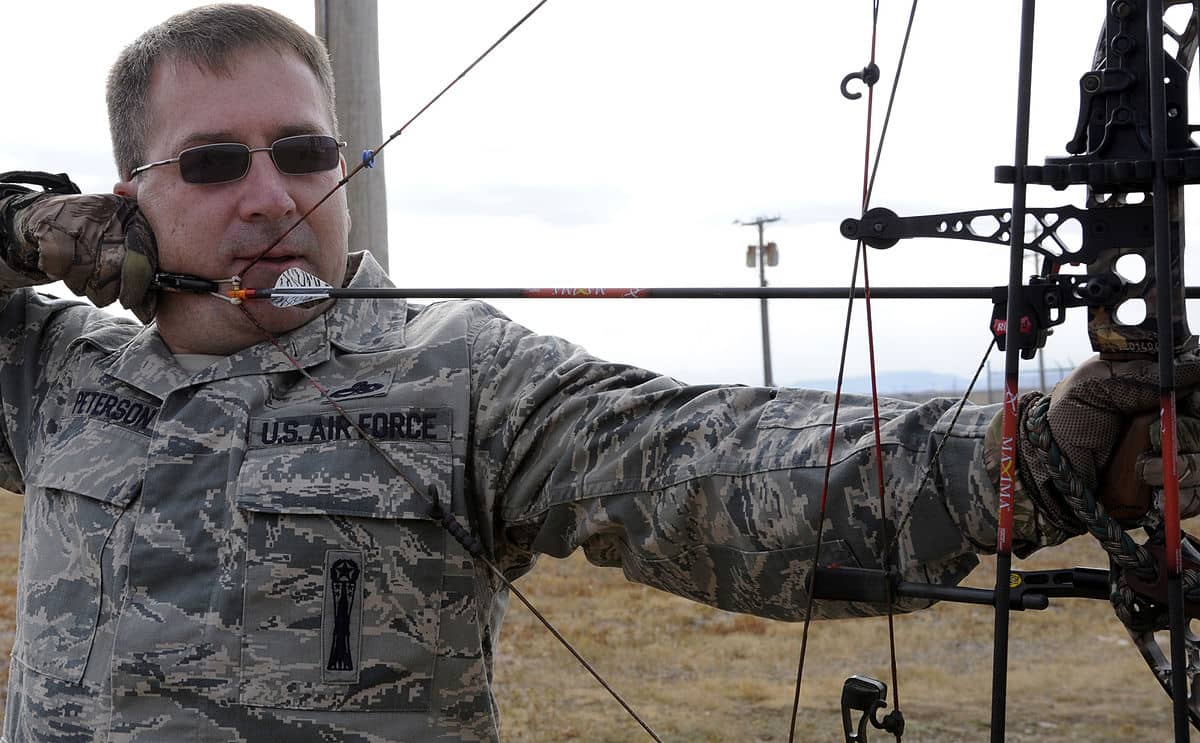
(916, 382)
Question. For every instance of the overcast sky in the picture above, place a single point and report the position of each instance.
(614, 142)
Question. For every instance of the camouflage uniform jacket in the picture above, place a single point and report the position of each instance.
(217, 556)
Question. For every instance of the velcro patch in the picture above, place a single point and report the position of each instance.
(390, 424)
(376, 386)
(341, 619)
(128, 412)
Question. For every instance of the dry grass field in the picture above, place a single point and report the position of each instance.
(702, 675)
(10, 532)
(698, 674)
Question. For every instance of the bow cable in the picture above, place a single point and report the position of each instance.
(870, 169)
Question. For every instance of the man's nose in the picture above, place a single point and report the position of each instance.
(265, 192)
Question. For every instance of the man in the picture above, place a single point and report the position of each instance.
(216, 547)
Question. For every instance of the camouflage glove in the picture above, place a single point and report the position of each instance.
(99, 245)
(1187, 469)
(1087, 425)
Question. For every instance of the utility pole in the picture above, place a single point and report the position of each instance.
(350, 30)
(766, 254)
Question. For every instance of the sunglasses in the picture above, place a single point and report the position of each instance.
(223, 162)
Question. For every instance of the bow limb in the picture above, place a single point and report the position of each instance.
(1012, 360)
(1168, 267)
(1111, 95)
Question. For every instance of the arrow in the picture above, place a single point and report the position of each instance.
(296, 286)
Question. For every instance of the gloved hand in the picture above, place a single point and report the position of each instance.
(99, 245)
(1089, 423)
(1149, 465)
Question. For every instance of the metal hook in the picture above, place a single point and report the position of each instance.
(866, 696)
(869, 76)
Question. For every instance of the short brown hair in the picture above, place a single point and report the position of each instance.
(208, 37)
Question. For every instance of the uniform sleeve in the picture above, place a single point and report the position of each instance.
(13, 342)
(35, 347)
(713, 492)
(18, 268)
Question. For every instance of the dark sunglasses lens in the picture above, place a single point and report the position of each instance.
(214, 163)
(305, 154)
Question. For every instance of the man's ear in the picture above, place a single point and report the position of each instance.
(128, 189)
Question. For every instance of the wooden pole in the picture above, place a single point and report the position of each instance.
(350, 30)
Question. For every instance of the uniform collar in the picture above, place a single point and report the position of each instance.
(363, 325)
(355, 326)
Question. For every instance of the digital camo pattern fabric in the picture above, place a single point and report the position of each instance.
(219, 556)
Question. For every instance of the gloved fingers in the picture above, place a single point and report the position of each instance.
(139, 266)
(1189, 502)
(1187, 469)
(1187, 434)
(137, 287)
(64, 235)
(1187, 403)
(99, 245)
(1187, 462)
(1125, 387)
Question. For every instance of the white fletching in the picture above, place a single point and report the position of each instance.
(294, 287)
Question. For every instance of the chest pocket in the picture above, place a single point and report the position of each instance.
(344, 575)
(75, 544)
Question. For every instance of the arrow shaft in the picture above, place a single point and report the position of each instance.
(795, 292)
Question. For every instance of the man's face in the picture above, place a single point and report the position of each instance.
(214, 230)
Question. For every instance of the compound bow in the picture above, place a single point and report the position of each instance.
(1132, 151)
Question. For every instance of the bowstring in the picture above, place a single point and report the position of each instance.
(870, 170)
(890, 542)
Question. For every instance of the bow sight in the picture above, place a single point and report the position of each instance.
(1132, 150)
